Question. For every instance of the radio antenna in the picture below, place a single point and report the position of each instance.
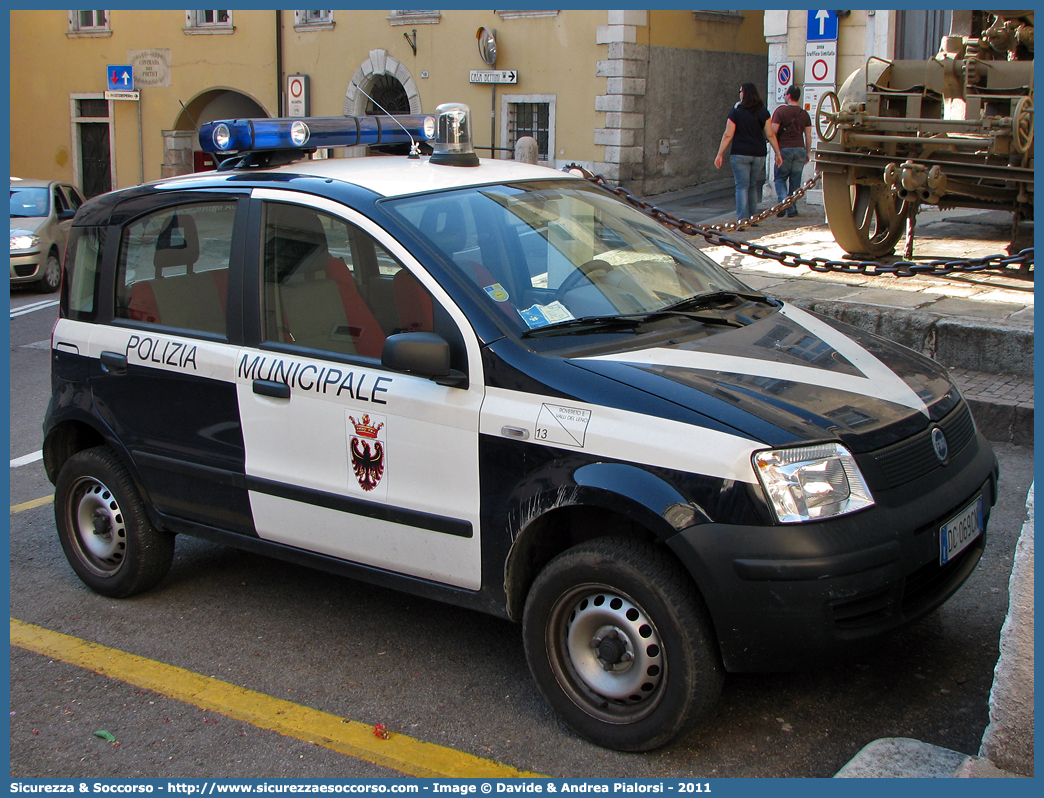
(414, 146)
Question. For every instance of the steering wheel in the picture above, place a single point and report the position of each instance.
(583, 271)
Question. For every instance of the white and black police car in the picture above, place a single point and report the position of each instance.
(498, 385)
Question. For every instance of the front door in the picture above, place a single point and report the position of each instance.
(345, 457)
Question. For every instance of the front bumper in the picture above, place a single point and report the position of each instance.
(789, 596)
(26, 267)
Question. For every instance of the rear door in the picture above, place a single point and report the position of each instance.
(162, 373)
(343, 456)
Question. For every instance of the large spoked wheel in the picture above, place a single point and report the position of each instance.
(866, 220)
(51, 277)
(826, 116)
(103, 528)
(1022, 125)
(620, 644)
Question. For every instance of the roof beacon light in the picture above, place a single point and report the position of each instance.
(453, 145)
(254, 135)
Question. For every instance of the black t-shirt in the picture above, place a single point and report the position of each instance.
(750, 131)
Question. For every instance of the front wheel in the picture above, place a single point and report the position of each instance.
(104, 529)
(51, 277)
(620, 644)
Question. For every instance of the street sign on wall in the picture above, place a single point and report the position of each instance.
(821, 62)
(784, 80)
(119, 77)
(494, 76)
(822, 25)
(297, 95)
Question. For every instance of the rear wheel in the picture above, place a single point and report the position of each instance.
(104, 529)
(620, 644)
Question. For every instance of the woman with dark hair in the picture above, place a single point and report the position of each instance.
(748, 128)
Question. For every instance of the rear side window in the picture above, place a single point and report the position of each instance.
(82, 266)
(173, 267)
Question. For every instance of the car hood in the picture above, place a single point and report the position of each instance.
(26, 224)
(792, 376)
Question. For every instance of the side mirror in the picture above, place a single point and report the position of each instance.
(66, 215)
(423, 354)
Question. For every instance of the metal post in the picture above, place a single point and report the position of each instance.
(141, 146)
(493, 121)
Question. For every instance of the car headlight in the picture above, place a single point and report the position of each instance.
(24, 242)
(812, 482)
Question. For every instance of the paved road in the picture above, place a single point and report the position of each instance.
(434, 672)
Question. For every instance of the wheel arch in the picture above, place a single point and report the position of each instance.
(603, 500)
(65, 440)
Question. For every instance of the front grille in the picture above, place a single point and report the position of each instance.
(25, 269)
(911, 459)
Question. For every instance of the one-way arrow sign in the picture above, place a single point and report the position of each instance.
(119, 77)
(494, 76)
(822, 25)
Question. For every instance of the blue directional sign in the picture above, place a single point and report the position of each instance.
(822, 25)
(119, 77)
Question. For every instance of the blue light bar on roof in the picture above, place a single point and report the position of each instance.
(252, 135)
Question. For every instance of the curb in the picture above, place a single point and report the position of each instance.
(1007, 744)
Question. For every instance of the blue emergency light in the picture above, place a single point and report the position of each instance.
(255, 135)
(269, 142)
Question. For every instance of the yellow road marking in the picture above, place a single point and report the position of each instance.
(355, 739)
(21, 508)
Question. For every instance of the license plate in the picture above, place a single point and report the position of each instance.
(959, 532)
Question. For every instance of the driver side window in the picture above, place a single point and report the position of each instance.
(329, 286)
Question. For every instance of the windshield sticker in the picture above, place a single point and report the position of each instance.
(542, 315)
(564, 426)
(496, 292)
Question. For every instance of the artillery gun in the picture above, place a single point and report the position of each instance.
(953, 131)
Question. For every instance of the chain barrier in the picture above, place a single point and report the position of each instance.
(715, 234)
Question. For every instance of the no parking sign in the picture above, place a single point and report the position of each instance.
(784, 79)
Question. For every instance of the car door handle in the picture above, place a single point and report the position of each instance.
(113, 363)
(279, 390)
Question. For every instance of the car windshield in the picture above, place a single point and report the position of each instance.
(549, 252)
(28, 201)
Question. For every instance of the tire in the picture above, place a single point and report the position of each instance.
(51, 278)
(627, 605)
(104, 529)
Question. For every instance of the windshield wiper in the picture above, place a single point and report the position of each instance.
(628, 321)
(588, 324)
(715, 297)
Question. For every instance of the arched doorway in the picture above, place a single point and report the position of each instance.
(388, 81)
(181, 152)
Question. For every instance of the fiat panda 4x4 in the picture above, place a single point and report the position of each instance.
(499, 385)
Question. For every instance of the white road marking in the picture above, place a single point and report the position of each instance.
(27, 459)
(26, 309)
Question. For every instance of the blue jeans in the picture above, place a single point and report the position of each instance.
(749, 171)
(788, 174)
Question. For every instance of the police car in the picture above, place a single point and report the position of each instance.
(498, 385)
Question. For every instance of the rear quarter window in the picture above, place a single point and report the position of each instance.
(82, 269)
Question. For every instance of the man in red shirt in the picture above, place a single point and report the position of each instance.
(793, 129)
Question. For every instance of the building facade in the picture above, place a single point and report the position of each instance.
(637, 96)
